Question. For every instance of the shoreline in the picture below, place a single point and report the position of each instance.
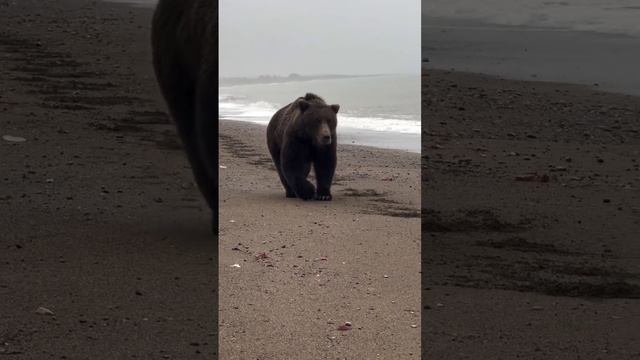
(381, 120)
(581, 87)
(366, 138)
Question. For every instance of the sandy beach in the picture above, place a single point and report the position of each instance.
(306, 268)
(103, 227)
(530, 220)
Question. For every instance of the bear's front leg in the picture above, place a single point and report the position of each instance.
(324, 165)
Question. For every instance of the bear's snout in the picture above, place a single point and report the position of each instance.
(324, 135)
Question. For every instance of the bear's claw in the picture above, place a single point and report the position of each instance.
(323, 197)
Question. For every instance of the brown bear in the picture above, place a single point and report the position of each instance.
(184, 40)
(298, 135)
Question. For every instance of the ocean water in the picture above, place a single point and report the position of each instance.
(604, 16)
(588, 42)
(381, 111)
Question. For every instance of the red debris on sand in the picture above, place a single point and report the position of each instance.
(387, 179)
(345, 327)
(261, 256)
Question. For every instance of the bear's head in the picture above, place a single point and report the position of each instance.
(319, 122)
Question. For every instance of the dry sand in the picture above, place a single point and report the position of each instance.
(531, 216)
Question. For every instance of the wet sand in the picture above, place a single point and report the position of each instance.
(530, 220)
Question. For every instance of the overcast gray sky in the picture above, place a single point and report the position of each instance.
(280, 37)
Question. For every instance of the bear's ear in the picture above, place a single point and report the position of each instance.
(335, 108)
(303, 105)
